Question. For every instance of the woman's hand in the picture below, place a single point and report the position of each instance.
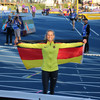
(85, 41)
(16, 41)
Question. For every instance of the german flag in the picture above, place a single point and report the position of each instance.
(32, 57)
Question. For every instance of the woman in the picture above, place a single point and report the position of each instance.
(49, 53)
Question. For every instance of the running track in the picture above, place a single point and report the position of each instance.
(76, 80)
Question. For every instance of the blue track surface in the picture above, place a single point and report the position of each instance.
(79, 80)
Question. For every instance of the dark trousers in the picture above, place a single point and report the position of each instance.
(33, 14)
(86, 49)
(47, 12)
(46, 76)
(9, 33)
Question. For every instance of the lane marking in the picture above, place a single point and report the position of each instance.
(92, 30)
(98, 55)
(88, 97)
(19, 87)
(76, 30)
(88, 69)
(19, 77)
(20, 81)
(9, 56)
(72, 25)
(8, 47)
(18, 69)
(33, 75)
(11, 62)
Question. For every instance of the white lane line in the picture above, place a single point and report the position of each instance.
(19, 69)
(87, 69)
(82, 76)
(81, 79)
(20, 77)
(9, 56)
(78, 82)
(92, 30)
(91, 64)
(72, 25)
(72, 83)
(8, 47)
(8, 51)
(20, 81)
(78, 92)
(66, 18)
(16, 73)
(98, 55)
(76, 30)
(18, 87)
(11, 62)
(59, 74)
(87, 97)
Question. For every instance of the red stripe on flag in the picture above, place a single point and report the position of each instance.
(66, 53)
(30, 54)
(36, 54)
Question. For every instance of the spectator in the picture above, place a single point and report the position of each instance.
(17, 10)
(47, 11)
(33, 10)
(9, 30)
(23, 7)
(16, 26)
(85, 34)
(43, 12)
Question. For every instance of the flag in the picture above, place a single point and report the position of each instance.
(32, 57)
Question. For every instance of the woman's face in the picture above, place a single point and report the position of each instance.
(50, 36)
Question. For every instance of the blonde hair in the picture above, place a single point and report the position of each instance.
(45, 38)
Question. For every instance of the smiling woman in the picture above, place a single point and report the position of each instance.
(50, 35)
(49, 54)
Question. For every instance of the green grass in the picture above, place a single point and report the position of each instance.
(38, 6)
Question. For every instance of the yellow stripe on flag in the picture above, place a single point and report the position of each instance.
(38, 63)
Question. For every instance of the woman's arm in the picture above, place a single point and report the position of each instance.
(29, 45)
(71, 45)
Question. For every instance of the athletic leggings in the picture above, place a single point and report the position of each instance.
(46, 76)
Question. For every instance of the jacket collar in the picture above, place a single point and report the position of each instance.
(50, 43)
